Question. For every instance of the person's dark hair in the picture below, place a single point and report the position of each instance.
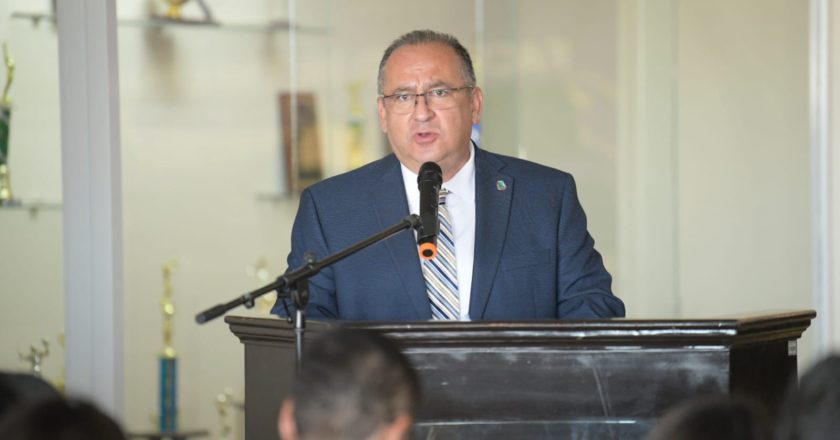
(428, 37)
(18, 389)
(714, 417)
(811, 411)
(351, 383)
(59, 419)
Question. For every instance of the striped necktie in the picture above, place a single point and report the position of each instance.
(440, 272)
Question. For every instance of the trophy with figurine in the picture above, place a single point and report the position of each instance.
(35, 357)
(174, 13)
(6, 196)
(167, 417)
(168, 361)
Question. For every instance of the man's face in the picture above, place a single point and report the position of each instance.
(424, 135)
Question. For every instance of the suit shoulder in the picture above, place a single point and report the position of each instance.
(529, 171)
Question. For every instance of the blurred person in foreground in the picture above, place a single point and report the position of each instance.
(58, 419)
(353, 384)
(714, 418)
(811, 411)
(17, 389)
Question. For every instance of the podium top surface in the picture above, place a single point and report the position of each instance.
(728, 331)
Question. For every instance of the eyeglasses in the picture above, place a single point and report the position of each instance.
(436, 99)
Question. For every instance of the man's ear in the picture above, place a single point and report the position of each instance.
(477, 97)
(399, 429)
(380, 107)
(286, 425)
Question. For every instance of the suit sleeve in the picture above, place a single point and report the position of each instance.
(308, 236)
(583, 282)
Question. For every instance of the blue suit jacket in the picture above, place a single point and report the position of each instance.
(534, 258)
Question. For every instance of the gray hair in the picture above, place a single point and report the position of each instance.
(428, 37)
(352, 383)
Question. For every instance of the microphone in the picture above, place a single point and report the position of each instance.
(429, 180)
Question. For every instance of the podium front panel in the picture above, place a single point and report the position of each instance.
(558, 379)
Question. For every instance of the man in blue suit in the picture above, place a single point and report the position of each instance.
(520, 248)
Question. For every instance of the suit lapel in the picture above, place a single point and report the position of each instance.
(391, 206)
(492, 210)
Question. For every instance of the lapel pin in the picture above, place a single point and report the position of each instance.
(501, 185)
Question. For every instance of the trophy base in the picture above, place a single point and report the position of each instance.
(167, 20)
(6, 197)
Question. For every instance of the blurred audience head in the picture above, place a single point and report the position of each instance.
(714, 417)
(17, 389)
(353, 385)
(58, 419)
(811, 411)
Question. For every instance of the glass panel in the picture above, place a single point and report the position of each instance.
(205, 189)
(566, 61)
(31, 272)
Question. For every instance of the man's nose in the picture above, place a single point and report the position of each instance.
(421, 109)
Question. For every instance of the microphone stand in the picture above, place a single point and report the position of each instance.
(294, 284)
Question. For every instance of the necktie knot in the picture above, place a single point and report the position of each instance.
(442, 196)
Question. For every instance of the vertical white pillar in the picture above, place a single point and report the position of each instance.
(647, 278)
(821, 227)
(832, 302)
(91, 193)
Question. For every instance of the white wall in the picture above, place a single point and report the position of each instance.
(833, 314)
(743, 158)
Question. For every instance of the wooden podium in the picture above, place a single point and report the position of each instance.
(548, 379)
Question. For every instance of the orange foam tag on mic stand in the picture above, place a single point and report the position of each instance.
(428, 251)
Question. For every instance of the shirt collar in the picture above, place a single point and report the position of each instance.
(461, 185)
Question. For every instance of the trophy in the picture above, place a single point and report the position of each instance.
(260, 272)
(225, 403)
(168, 361)
(36, 357)
(167, 417)
(355, 127)
(6, 197)
(173, 13)
(174, 10)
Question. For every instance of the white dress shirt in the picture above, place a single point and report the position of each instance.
(461, 205)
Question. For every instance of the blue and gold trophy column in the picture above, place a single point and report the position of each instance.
(168, 361)
(6, 197)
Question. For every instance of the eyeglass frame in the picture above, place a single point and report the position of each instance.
(425, 94)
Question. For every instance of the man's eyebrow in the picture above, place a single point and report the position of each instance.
(437, 84)
(402, 89)
(411, 89)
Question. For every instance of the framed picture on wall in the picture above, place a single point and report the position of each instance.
(301, 146)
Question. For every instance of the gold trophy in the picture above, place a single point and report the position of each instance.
(167, 417)
(227, 408)
(174, 10)
(168, 361)
(6, 196)
(260, 272)
(174, 13)
(355, 127)
(36, 357)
